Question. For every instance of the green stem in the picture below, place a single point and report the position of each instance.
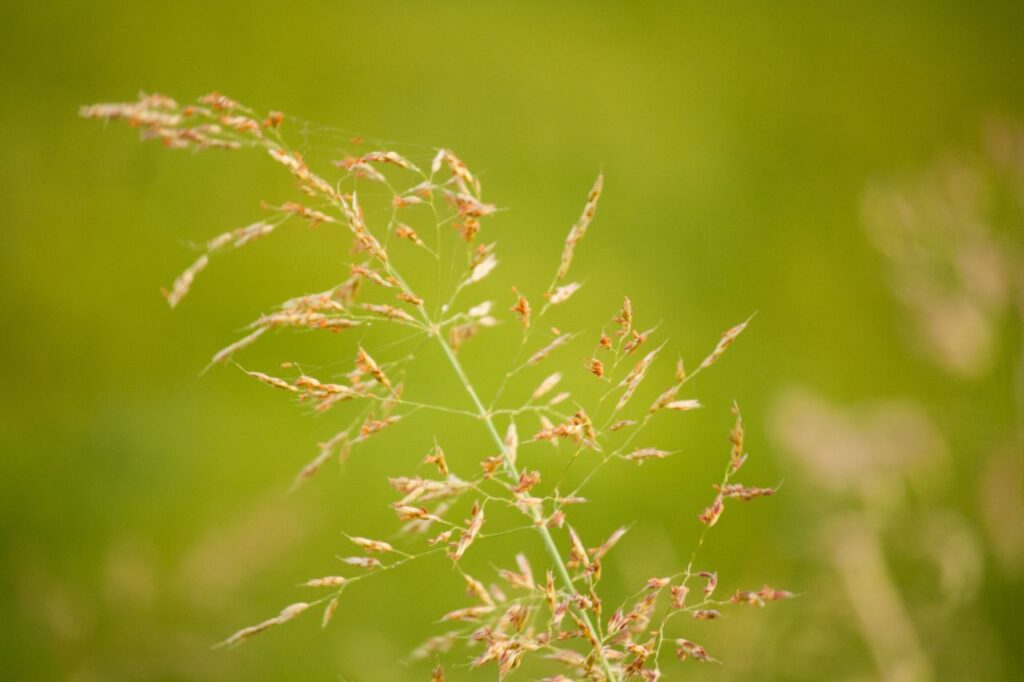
(535, 514)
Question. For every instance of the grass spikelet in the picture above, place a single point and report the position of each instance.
(372, 546)
(522, 309)
(635, 377)
(466, 181)
(287, 614)
(475, 588)
(367, 364)
(437, 457)
(600, 551)
(182, 285)
(546, 386)
(736, 455)
(578, 230)
(511, 443)
(470, 613)
(367, 562)
(729, 337)
(328, 581)
(563, 293)
(273, 381)
(624, 320)
(556, 343)
(643, 454)
(476, 521)
(683, 405)
(483, 268)
(686, 649)
(329, 611)
(225, 353)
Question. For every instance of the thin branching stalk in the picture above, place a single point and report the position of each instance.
(564, 613)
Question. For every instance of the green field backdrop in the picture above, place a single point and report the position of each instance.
(144, 512)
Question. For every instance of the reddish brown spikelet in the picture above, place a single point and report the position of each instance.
(407, 512)
(711, 583)
(741, 492)
(522, 309)
(308, 320)
(372, 275)
(492, 465)
(389, 311)
(460, 172)
(442, 537)
(687, 649)
(367, 364)
(437, 457)
(312, 215)
(771, 594)
(410, 298)
(218, 102)
(624, 319)
(527, 480)
(356, 224)
(461, 333)
(596, 367)
(711, 515)
(706, 614)
(639, 338)
(476, 521)
(679, 593)
(372, 426)
(403, 231)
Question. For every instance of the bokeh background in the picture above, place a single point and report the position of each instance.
(852, 172)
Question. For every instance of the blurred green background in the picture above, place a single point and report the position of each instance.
(144, 510)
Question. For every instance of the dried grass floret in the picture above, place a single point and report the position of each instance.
(535, 617)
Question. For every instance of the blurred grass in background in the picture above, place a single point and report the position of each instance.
(143, 509)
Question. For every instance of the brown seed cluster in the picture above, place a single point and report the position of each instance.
(384, 204)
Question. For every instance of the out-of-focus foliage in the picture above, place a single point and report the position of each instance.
(781, 158)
